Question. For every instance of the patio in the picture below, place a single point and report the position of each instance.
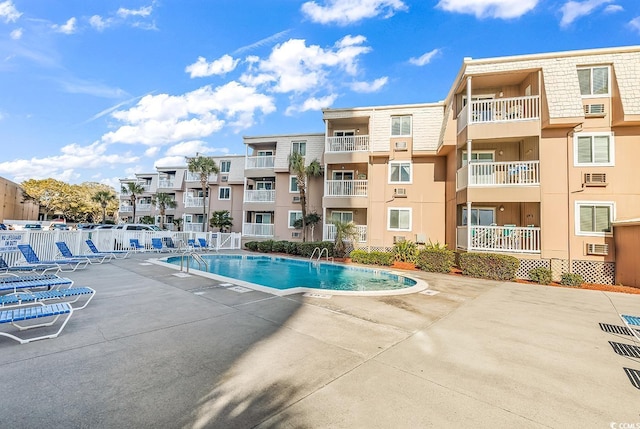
(157, 350)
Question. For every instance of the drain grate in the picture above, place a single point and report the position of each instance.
(316, 295)
(634, 376)
(240, 289)
(625, 349)
(615, 329)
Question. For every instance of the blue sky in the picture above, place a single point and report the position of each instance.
(95, 91)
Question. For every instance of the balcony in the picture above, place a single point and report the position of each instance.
(345, 188)
(329, 233)
(166, 183)
(126, 209)
(195, 177)
(260, 196)
(500, 111)
(192, 227)
(257, 229)
(143, 207)
(347, 144)
(193, 202)
(512, 239)
(510, 173)
(259, 162)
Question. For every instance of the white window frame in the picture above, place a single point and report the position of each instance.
(463, 156)
(223, 163)
(389, 209)
(400, 118)
(295, 219)
(342, 212)
(264, 184)
(591, 68)
(293, 177)
(612, 151)
(344, 133)
(399, 163)
(298, 143)
(265, 153)
(342, 173)
(612, 216)
(220, 193)
(263, 215)
(478, 209)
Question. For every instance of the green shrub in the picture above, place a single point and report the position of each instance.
(435, 259)
(489, 265)
(265, 246)
(279, 246)
(405, 251)
(541, 275)
(251, 245)
(571, 279)
(306, 249)
(372, 258)
(291, 248)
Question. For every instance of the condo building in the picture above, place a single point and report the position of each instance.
(531, 156)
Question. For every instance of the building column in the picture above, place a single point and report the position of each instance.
(468, 225)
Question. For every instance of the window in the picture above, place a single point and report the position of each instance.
(401, 125)
(399, 219)
(399, 172)
(263, 218)
(344, 217)
(224, 194)
(265, 153)
(293, 184)
(225, 166)
(479, 216)
(299, 147)
(593, 149)
(594, 80)
(294, 215)
(264, 186)
(478, 156)
(593, 218)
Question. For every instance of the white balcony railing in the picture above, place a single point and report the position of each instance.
(510, 173)
(329, 233)
(515, 239)
(500, 110)
(143, 207)
(346, 188)
(347, 144)
(260, 161)
(126, 209)
(260, 196)
(192, 227)
(193, 201)
(195, 177)
(166, 183)
(257, 229)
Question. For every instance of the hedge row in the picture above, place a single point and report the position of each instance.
(488, 265)
(372, 258)
(290, 247)
(435, 260)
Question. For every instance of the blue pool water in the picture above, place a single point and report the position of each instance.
(284, 273)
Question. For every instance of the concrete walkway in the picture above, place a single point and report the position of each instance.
(154, 350)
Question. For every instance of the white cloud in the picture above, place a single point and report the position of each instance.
(9, 12)
(67, 28)
(143, 12)
(189, 148)
(635, 23)
(425, 58)
(263, 42)
(79, 86)
(344, 12)
(65, 166)
(503, 9)
(151, 152)
(163, 119)
(366, 87)
(613, 8)
(573, 10)
(201, 68)
(170, 161)
(16, 34)
(100, 23)
(312, 103)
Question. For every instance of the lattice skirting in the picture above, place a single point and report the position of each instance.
(591, 271)
(370, 248)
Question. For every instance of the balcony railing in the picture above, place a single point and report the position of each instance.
(345, 188)
(257, 229)
(126, 209)
(329, 233)
(166, 183)
(347, 144)
(143, 207)
(500, 110)
(260, 161)
(195, 177)
(260, 196)
(514, 239)
(193, 201)
(192, 227)
(510, 173)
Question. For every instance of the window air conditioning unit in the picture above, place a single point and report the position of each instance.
(296, 200)
(400, 145)
(398, 239)
(421, 238)
(597, 249)
(224, 178)
(400, 192)
(595, 179)
(594, 110)
(296, 234)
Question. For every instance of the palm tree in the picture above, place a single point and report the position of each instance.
(221, 219)
(163, 202)
(302, 173)
(204, 167)
(344, 231)
(103, 198)
(133, 189)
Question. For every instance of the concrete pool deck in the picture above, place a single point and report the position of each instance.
(158, 350)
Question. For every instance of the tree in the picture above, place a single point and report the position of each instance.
(204, 167)
(133, 189)
(163, 202)
(178, 223)
(311, 221)
(147, 220)
(50, 194)
(221, 219)
(103, 198)
(344, 231)
(303, 173)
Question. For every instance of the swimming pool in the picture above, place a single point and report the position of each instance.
(288, 275)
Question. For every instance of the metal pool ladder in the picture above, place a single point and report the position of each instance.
(320, 253)
(196, 257)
